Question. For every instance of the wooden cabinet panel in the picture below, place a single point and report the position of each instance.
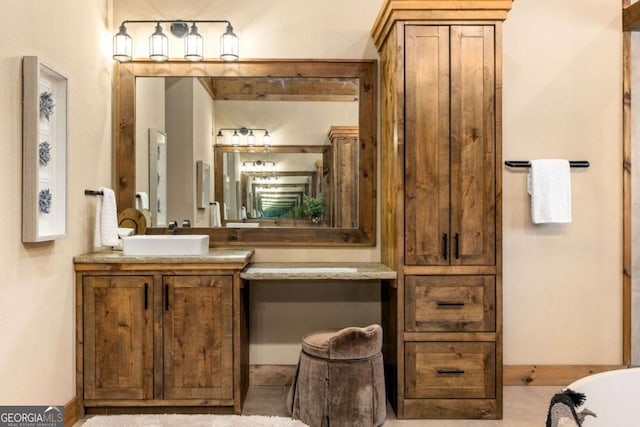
(473, 164)
(198, 337)
(118, 337)
(427, 145)
(454, 370)
(345, 179)
(450, 153)
(450, 303)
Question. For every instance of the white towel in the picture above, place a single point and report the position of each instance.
(215, 214)
(549, 184)
(106, 227)
(142, 200)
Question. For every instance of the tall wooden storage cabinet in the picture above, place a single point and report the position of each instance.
(441, 205)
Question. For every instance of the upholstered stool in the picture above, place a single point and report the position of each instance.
(340, 379)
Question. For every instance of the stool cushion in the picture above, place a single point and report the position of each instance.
(351, 343)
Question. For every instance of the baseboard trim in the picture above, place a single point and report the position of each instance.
(73, 411)
(550, 375)
(513, 375)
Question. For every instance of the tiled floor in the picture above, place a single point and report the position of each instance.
(523, 407)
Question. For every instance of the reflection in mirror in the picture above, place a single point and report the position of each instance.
(195, 119)
(249, 94)
(285, 190)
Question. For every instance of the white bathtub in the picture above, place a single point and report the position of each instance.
(614, 396)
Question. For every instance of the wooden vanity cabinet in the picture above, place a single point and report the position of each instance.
(160, 336)
(441, 205)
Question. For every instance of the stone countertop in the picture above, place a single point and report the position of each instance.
(215, 256)
(318, 271)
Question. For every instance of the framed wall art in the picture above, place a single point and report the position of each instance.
(44, 152)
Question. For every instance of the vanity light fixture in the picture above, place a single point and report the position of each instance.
(158, 41)
(243, 131)
(158, 45)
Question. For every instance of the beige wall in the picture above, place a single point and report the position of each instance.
(189, 111)
(562, 99)
(149, 115)
(202, 140)
(37, 294)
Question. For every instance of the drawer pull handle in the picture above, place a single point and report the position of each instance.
(446, 304)
(457, 246)
(449, 371)
(166, 297)
(146, 296)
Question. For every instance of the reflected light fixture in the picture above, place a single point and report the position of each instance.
(261, 166)
(243, 131)
(158, 41)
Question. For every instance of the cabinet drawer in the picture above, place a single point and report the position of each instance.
(450, 370)
(450, 303)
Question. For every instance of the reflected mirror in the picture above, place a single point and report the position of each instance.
(312, 183)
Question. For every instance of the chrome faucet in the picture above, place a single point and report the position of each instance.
(173, 227)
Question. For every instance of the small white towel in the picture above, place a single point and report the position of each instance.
(549, 184)
(106, 227)
(142, 201)
(215, 215)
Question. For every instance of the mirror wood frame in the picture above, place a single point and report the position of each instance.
(124, 144)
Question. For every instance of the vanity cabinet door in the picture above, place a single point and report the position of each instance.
(427, 181)
(198, 333)
(118, 337)
(473, 145)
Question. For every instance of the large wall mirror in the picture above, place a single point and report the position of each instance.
(260, 152)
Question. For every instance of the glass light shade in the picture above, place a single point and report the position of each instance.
(229, 45)
(122, 45)
(266, 139)
(235, 138)
(158, 45)
(220, 138)
(251, 139)
(193, 45)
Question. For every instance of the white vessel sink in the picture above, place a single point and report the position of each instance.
(188, 244)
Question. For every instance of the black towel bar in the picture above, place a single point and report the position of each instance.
(526, 163)
(93, 193)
